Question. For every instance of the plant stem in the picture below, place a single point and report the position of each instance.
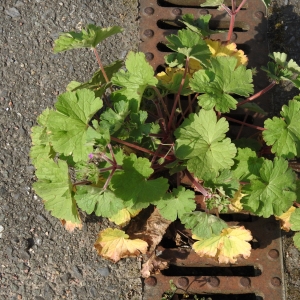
(140, 148)
(241, 129)
(197, 185)
(100, 65)
(246, 124)
(255, 96)
(109, 179)
(161, 101)
(240, 6)
(231, 26)
(112, 153)
(178, 94)
(186, 111)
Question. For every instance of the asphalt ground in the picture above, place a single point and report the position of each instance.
(38, 258)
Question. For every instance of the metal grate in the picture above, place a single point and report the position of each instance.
(257, 278)
(260, 276)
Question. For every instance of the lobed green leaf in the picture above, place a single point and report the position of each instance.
(87, 38)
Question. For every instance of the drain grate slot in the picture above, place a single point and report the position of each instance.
(192, 3)
(250, 271)
(251, 296)
(214, 25)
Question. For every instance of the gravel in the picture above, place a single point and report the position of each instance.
(39, 259)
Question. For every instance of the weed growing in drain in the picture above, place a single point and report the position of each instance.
(132, 144)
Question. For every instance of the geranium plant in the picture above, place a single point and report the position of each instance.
(132, 143)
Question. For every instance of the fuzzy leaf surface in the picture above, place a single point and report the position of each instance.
(283, 134)
(226, 183)
(69, 123)
(40, 148)
(98, 79)
(134, 81)
(87, 38)
(115, 244)
(219, 81)
(55, 188)
(227, 247)
(123, 216)
(132, 186)
(177, 203)
(189, 44)
(94, 199)
(201, 140)
(273, 191)
(200, 25)
(202, 224)
(296, 239)
(295, 220)
(247, 164)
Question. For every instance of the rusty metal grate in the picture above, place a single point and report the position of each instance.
(258, 278)
(261, 276)
(159, 18)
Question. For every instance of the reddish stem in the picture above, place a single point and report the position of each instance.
(231, 26)
(241, 129)
(100, 65)
(112, 153)
(169, 157)
(178, 94)
(246, 124)
(109, 179)
(162, 101)
(197, 185)
(240, 6)
(186, 111)
(255, 96)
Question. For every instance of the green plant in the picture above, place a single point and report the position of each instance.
(129, 155)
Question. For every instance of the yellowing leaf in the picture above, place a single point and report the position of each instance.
(236, 204)
(167, 76)
(226, 247)
(115, 244)
(194, 65)
(217, 48)
(285, 219)
(69, 226)
(123, 216)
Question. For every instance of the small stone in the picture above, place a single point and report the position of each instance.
(103, 271)
(65, 278)
(77, 273)
(39, 298)
(94, 292)
(12, 12)
(1, 230)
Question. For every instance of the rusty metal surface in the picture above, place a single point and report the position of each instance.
(158, 19)
(267, 282)
(251, 36)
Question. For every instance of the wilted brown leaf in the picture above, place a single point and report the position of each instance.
(69, 226)
(153, 266)
(150, 231)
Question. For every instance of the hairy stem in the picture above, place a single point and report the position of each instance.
(112, 153)
(100, 65)
(231, 26)
(197, 185)
(107, 182)
(169, 157)
(161, 101)
(246, 124)
(255, 96)
(178, 95)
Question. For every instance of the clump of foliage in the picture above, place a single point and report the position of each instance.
(129, 141)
